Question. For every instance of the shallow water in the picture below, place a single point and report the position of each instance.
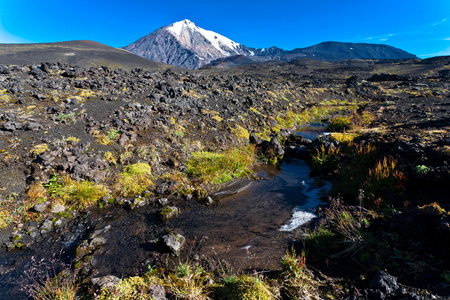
(251, 224)
(253, 227)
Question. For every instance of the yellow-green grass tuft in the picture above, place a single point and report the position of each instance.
(220, 167)
(133, 180)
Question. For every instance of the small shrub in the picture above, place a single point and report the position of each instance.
(14, 210)
(133, 180)
(66, 117)
(433, 209)
(292, 265)
(217, 118)
(110, 158)
(178, 133)
(37, 193)
(61, 287)
(180, 181)
(5, 217)
(383, 177)
(286, 121)
(72, 139)
(343, 221)
(221, 167)
(446, 276)
(319, 241)
(343, 137)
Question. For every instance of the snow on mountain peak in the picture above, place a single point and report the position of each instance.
(177, 28)
(218, 41)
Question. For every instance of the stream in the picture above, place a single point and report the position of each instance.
(250, 225)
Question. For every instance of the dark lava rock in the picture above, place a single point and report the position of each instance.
(384, 282)
(388, 77)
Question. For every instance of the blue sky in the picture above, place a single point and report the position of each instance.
(419, 27)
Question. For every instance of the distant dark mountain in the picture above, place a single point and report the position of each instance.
(230, 62)
(333, 51)
(327, 51)
(80, 53)
(186, 45)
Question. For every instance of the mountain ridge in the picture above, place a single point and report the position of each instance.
(187, 45)
(83, 53)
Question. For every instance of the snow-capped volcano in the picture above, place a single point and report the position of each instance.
(186, 45)
(185, 30)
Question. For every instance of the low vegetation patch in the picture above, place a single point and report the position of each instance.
(135, 287)
(296, 279)
(133, 180)
(245, 287)
(325, 160)
(359, 167)
(217, 167)
(75, 194)
(339, 124)
(106, 138)
(188, 282)
(62, 286)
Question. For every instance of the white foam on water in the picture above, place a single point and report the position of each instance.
(303, 214)
(299, 217)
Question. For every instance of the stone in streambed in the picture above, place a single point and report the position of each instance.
(173, 242)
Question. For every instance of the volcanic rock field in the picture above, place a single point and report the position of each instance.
(107, 174)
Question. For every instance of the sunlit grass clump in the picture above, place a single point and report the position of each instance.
(217, 167)
(133, 180)
(131, 288)
(188, 282)
(75, 194)
(245, 287)
(61, 286)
